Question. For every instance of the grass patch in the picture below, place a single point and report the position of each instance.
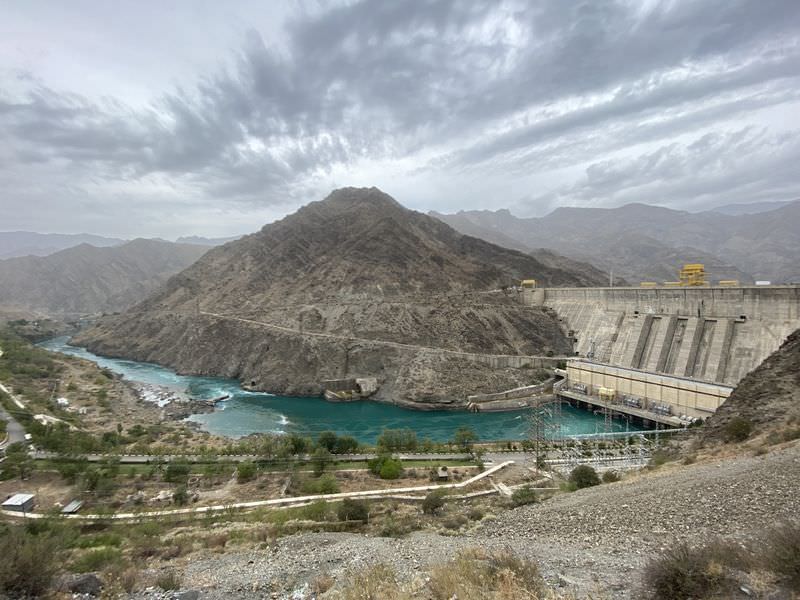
(96, 559)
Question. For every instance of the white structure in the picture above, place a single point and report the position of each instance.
(19, 503)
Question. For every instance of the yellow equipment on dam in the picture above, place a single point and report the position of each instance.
(692, 274)
(527, 284)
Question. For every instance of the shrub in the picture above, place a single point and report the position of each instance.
(584, 476)
(683, 572)
(96, 559)
(523, 495)
(177, 472)
(326, 484)
(180, 496)
(464, 438)
(353, 510)
(320, 459)
(169, 580)
(476, 574)
(738, 429)
(29, 563)
(395, 440)
(327, 440)
(385, 466)
(316, 511)
(782, 553)
(610, 477)
(346, 444)
(376, 582)
(245, 471)
(433, 502)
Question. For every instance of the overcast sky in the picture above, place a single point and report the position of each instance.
(186, 117)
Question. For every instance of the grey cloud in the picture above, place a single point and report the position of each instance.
(484, 85)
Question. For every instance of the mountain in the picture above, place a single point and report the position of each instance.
(85, 279)
(649, 243)
(750, 208)
(204, 241)
(354, 285)
(28, 243)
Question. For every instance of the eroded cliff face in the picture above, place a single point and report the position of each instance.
(354, 286)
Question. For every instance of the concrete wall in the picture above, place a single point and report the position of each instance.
(685, 396)
(709, 334)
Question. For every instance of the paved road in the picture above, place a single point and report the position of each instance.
(145, 458)
(16, 432)
(366, 341)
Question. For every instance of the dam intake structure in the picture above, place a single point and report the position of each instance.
(713, 334)
(666, 355)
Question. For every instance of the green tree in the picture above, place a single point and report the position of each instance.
(327, 440)
(396, 440)
(464, 438)
(17, 462)
(346, 444)
(385, 466)
(320, 460)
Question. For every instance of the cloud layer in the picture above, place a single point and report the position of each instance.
(445, 104)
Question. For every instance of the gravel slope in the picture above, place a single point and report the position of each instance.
(592, 541)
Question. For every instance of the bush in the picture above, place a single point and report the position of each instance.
(464, 438)
(177, 472)
(683, 572)
(327, 440)
(476, 574)
(180, 496)
(782, 553)
(395, 440)
(610, 477)
(346, 444)
(96, 559)
(316, 511)
(738, 430)
(29, 563)
(326, 484)
(245, 471)
(353, 510)
(169, 580)
(433, 502)
(320, 459)
(524, 495)
(583, 476)
(385, 466)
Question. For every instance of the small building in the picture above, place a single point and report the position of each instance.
(72, 507)
(527, 284)
(442, 473)
(19, 503)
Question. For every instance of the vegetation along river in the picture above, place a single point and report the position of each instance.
(257, 412)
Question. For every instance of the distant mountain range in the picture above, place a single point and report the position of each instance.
(28, 243)
(649, 243)
(752, 208)
(86, 279)
(204, 241)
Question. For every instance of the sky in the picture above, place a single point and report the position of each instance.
(191, 117)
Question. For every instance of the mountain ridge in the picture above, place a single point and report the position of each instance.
(330, 291)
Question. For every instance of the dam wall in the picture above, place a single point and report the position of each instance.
(703, 333)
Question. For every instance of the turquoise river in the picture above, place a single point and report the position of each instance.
(256, 412)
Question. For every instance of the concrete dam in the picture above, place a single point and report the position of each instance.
(712, 334)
